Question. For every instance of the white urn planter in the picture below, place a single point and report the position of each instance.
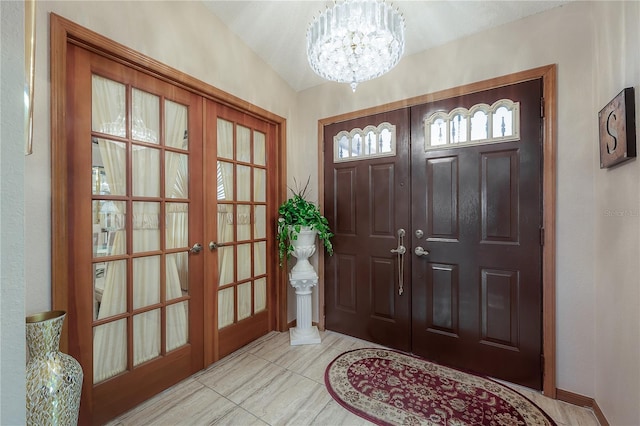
(303, 278)
(303, 248)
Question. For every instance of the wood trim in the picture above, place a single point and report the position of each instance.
(281, 272)
(549, 154)
(59, 178)
(321, 305)
(599, 414)
(548, 75)
(582, 401)
(63, 31)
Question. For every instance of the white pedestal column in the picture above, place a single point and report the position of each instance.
(303, 333)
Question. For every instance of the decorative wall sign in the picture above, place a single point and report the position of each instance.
(617, 123)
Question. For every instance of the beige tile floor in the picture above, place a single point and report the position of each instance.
(269, 382)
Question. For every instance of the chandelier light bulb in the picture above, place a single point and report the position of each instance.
(355, 41)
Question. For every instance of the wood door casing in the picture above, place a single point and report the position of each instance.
(477, 296)
(443, 287)
(361, 278)
(548, 75)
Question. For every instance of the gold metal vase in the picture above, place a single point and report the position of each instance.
(54, 379)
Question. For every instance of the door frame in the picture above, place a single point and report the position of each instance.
(549, 105)
(63, 31)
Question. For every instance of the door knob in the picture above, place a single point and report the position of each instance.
(419, 251)
(197, 248)
(213, 245)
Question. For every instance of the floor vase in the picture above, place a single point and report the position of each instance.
(54, 379)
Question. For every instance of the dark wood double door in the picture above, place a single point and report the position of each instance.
(474, 300)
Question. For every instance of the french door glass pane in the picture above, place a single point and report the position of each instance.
(146, 226)
(177, 280)
(109, 221)
(225, 265)
(111, 362)
(225, 307)
(145, 116)
(145, 171)
(225, 181)
(259, 148)
(244, 300)
(259, 185)
(176, 175)
(260, 294)
(260, 218)
(244, 183)
(109, 284)
(108, 111)
(109, 161)
(244, 261)
(244, 222)
(146, 281)
(225, 223)
(243, 144)
(177, 330)
(146, 335)
(177, 225)
(176, 134)
(225, 139)
(259, 258)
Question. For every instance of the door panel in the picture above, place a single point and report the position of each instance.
(367, 201)
(240, 267)
(442, 191)
(482, 213)
(135, 192)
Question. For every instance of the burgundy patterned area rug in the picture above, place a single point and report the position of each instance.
(391, 388)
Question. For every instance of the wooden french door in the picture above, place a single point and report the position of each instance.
(135, 197)
(473, 297)
(240, 220)
(163, 206)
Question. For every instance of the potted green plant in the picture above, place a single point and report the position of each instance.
(297, 214)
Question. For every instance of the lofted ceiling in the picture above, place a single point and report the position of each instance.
(276, 30)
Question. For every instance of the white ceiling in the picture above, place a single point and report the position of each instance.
(276, 30)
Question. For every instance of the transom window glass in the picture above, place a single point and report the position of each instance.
(480, 124)
(362, 144)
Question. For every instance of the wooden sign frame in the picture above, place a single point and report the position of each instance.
(617, 126)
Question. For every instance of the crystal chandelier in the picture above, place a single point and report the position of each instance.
(355, 41)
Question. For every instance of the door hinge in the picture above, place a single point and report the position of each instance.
(541, 236)
(542, 364)
(541, 107)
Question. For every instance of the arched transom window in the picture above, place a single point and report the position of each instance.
(362, 144)
(480, 124)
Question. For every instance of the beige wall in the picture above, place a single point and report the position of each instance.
(12, 142)
(595, 47)
(617, 224)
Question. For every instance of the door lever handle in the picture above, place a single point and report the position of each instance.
(400, 250)
(419, 251)
(197, 248)
(213, 245)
